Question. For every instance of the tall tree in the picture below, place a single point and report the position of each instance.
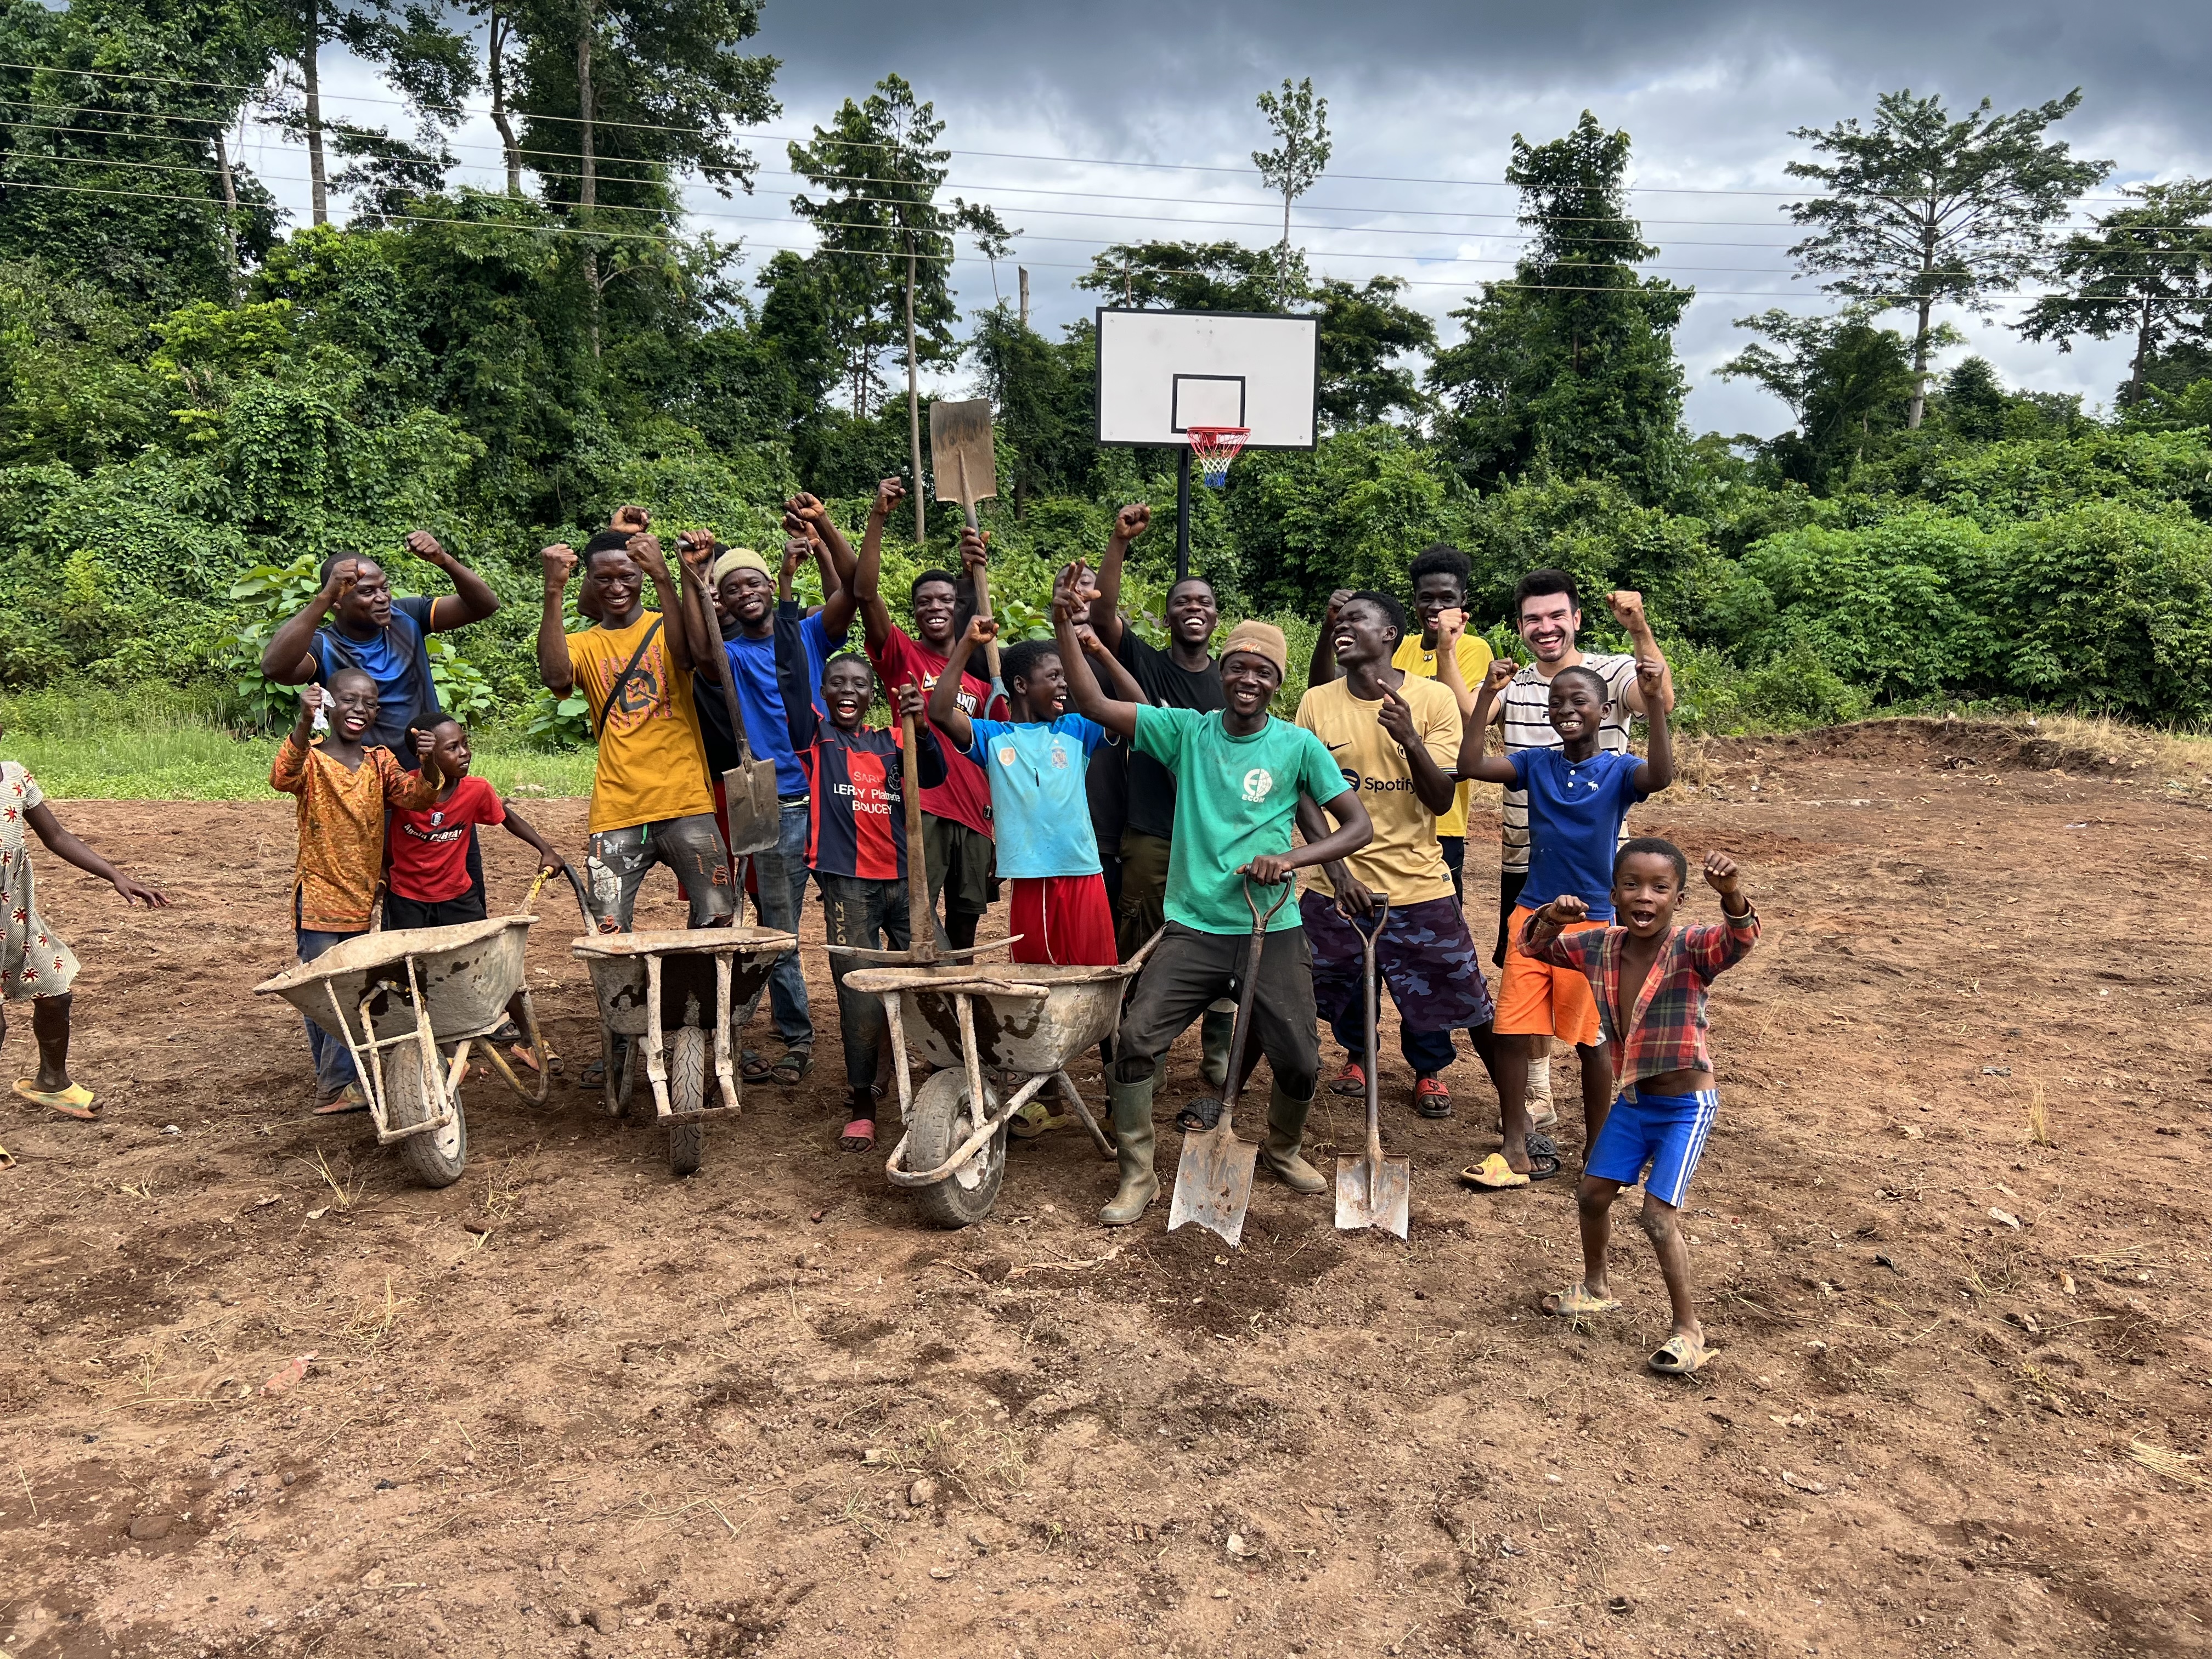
(1300, 122)
(1365, 333)
(890, 244)
(1185, 277)
(1924, 211)
(2144, 271)
(1571, 363)
(1847, 383)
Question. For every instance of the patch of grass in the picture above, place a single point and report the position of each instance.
(157, 743)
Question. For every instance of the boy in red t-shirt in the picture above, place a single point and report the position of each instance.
(427, 881)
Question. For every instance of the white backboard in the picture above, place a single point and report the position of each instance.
(1161, 372)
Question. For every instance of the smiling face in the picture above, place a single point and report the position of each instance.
(1437, 591)
(1364, 633)
(747, 595)
(1192, 612)
(353, 704)
(613, 584)
(1645, 891)
(1577, 708)
(933, 605)
(449, 747)
(1548, 622)
(1045, 687)
(846, 688)
(1250, 682)
(367, 606)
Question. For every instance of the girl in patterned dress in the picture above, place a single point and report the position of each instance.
(35, 966)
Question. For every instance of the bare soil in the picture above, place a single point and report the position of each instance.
(572, 1407)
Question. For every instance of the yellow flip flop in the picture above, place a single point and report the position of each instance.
(1492, 1175)
(75, 1101)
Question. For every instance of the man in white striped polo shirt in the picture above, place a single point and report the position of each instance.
(1548, 614)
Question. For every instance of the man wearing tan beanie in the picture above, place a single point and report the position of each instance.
(1239, 773)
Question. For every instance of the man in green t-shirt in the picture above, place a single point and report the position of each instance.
(1238, 773)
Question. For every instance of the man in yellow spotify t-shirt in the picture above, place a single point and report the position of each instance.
(1395, 738)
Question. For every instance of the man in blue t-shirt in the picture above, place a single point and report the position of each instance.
(382, 637)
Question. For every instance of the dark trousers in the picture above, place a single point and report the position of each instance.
(1190, 969)
(873, 914)
(1454, 851)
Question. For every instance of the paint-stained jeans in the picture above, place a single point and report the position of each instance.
(871, 913)
(780, 876)
(334, 1066)
(616, 860)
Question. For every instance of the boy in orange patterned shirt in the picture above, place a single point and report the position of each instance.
(345, 787)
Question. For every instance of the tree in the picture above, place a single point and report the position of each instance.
(1571, 364)
(2145, 270)
(1300, 122)
(1186, 276)
(1924, 210)
(890, 243)
(1364, 331)
(1847, 384)
(1043, 394)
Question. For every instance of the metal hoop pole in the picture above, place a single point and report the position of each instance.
(1182, 513)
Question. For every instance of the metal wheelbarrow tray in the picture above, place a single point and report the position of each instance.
(398, 1000)
(668, 991)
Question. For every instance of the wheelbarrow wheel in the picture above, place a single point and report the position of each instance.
(438, 1156)
(687, 1096)
(936, 1128)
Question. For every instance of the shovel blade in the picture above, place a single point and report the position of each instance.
(756, 815)
(1213, 1182)
(962, 453)
(1376, 1192)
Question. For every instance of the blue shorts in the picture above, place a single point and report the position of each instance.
(1666, 1133)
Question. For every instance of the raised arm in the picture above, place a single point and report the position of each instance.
(1354, 830)
(678, 622)
(1130, 522)
(1628, 608)
(868, 568)
(929, 768)
(289, 659)
(1657, 770)
(838, 567)
(554, 671)
(471, 599)
(944, 711)
(1451, 624)
(1070, 596)
(695, 558)
(793, 677)
(1321, 669)
(1118, 680)
(1474, 731)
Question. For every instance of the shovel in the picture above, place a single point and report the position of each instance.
(754, 814)
(1373, 1191)
(962, 458)
(1213, 1176)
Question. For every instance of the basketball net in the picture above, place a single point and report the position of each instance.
(1213, 447)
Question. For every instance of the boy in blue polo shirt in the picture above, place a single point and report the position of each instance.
(1040, 810)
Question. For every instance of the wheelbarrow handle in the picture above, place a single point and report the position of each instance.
(576, 886)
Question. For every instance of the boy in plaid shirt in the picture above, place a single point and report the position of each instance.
(1650, 978)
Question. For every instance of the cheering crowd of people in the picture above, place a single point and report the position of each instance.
(1111, 789)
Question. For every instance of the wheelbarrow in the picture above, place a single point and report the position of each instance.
(1023, 1017)
(671, 993)
(410, 1006)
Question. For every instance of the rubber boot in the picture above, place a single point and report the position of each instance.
(1286, 1128)
(1215, 1030)
(1131, 1105)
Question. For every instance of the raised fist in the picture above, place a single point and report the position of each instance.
(1132, 521)
(1337, 601)
(696, 548)
(1451, 624)
(974, 549)
(806, 508)
(344, 575)
(1628, 608)
(1565, 910)
(982, 631)
(424, 546)
(888, 493)
(313, 699)
(559, 562)
(645, 553)
(1650, 675)
(1722, 873)
(1502, 670)
(635, 520)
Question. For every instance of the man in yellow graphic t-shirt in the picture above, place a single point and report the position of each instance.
(1396, 739)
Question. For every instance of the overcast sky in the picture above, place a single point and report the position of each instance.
(1422, 92)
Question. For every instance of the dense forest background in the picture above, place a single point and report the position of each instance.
(197, 402)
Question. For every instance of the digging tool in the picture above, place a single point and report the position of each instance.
(751, 809)
(1374, 1191)
(1214, 1176)
(962, 456)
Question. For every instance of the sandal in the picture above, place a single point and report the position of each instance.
(751, 1067)
(1543, 1156)
(792, 1068)
(1576, 1302)
(1681, 1355)
(1036, 1119)
(858, 1136)
(75, 1101)
(1352, 1080)
(1199, 1114)
(1492, 1175)
(1432, 1099)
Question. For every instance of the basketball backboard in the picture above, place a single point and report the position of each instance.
(1161, 372)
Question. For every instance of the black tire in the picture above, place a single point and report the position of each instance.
(438, 1156)
(687, 1094)
(935, 1130)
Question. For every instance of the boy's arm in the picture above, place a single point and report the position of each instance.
(66, 846)
(1657, 769)
(554, 670)
(471, 600)
(868, 569)
(549, 863)
(838, 599)
(289, 770)
(1544, 940)
(929, 768)
(1713, 949)
(1354, 830)
(1118, 677)
(1130, 522)
(793, 676)
(944, 711)
(1070, 594)
(1450, 625)
(1474, 732)
(1628, 608)
(1321, 668)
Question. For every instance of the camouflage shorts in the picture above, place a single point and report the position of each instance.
(1426, 956)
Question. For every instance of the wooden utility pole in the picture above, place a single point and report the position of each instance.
(587, 187)
(1024, 271)
(230, 211)
(914, 398)
(311, 32)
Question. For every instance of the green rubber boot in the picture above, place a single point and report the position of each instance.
(1286, 1128)
(1215, 1030)
(1131, 1105)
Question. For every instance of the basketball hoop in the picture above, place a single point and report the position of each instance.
(1213, 447)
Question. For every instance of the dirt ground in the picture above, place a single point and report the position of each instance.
(571, 1406)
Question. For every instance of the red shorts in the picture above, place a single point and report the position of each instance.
(1062, 920)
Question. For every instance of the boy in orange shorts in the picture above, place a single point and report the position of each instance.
(1578, 796)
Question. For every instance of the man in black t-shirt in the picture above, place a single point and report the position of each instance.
(1184, 676)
